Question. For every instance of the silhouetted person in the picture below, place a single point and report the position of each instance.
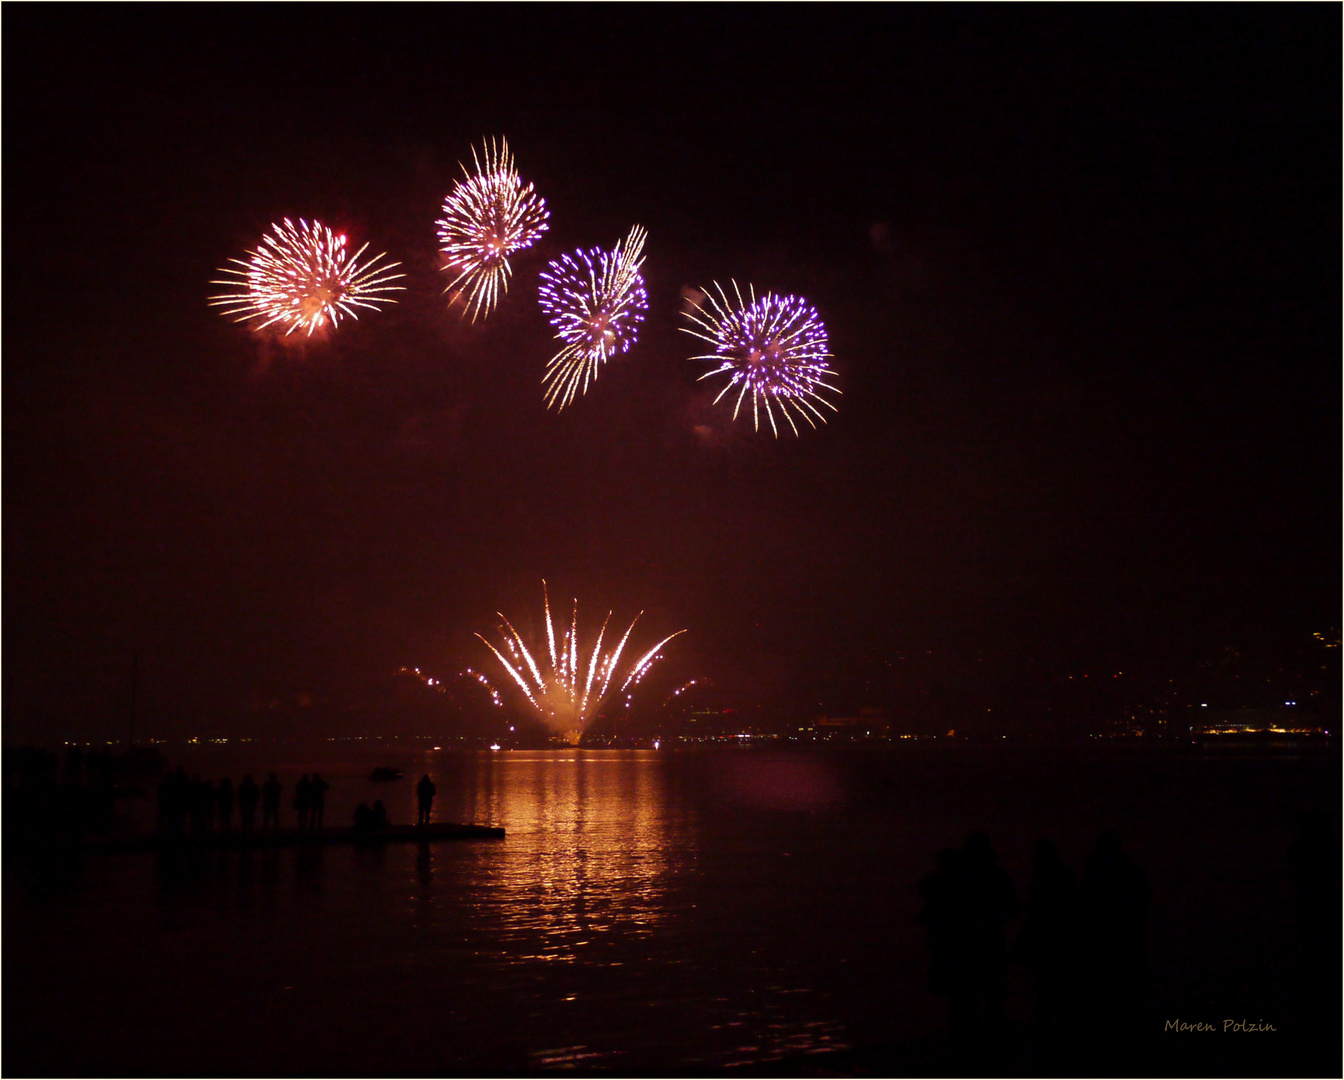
(201, 804)
(193, 804)
(1316, 859)
(424, 795)
(303, 799)
(317, 792)
(1113, 897)
(992, 903)
(1048, 944)
(209, 806)
(378, 816)
(968, 902)
(939, 919)
(224, 799)
(270, 803)
(248, 796)
(174, 793)
(363, 818)
(162, 797)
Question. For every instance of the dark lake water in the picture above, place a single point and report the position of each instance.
(648, 912)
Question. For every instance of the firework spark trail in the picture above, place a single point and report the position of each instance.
(775, 347)
(565, 697)
(303, 276)
(466, 673)
(595, 299)
(494, 694)
(679, 691)
(486, 218)
(428, 680)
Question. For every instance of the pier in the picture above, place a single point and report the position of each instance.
(395, 834)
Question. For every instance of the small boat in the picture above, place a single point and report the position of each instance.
(384, 772)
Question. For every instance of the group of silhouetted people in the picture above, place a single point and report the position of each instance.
(1083, 942)
(199, 808)
(968, 903)
(371, 818)
(310, 800)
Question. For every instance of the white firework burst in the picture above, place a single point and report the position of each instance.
(303, 277)
(487, 217)
(566, 693)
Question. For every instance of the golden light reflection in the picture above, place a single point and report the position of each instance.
(601, 844)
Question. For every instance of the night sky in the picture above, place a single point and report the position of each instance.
(1080, 269)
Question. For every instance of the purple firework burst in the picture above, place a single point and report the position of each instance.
(774, 347)
(595, 299)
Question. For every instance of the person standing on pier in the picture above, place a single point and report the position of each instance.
(248, 795)
(270, 803)
(317, 792)
(174, 802)
(224, 797)
(424, 792)
(303, 799)
(202, 802)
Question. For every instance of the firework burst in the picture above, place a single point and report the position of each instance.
(566, 694)
(302, 277)
(486, 218)
(774, 347)
(595, 300)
